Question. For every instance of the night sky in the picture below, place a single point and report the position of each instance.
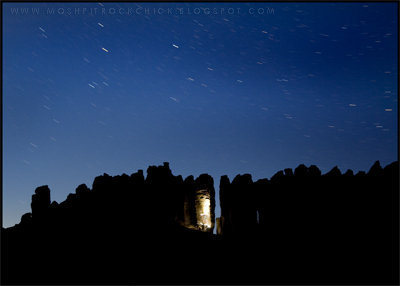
(225, 92)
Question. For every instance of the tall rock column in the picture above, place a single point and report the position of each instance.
(40, 202)
(205, 202)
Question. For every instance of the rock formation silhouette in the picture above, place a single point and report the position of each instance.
(298, 227)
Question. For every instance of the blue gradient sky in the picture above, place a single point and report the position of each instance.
(312, 83)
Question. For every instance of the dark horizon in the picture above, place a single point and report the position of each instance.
(334, 170)
(303, 226)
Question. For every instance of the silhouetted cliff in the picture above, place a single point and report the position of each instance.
(297, 227)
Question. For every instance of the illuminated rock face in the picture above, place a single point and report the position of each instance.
(199, 204)
(203, 210)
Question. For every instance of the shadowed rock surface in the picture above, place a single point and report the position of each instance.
(299, 227)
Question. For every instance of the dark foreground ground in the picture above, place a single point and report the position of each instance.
(298, 227)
